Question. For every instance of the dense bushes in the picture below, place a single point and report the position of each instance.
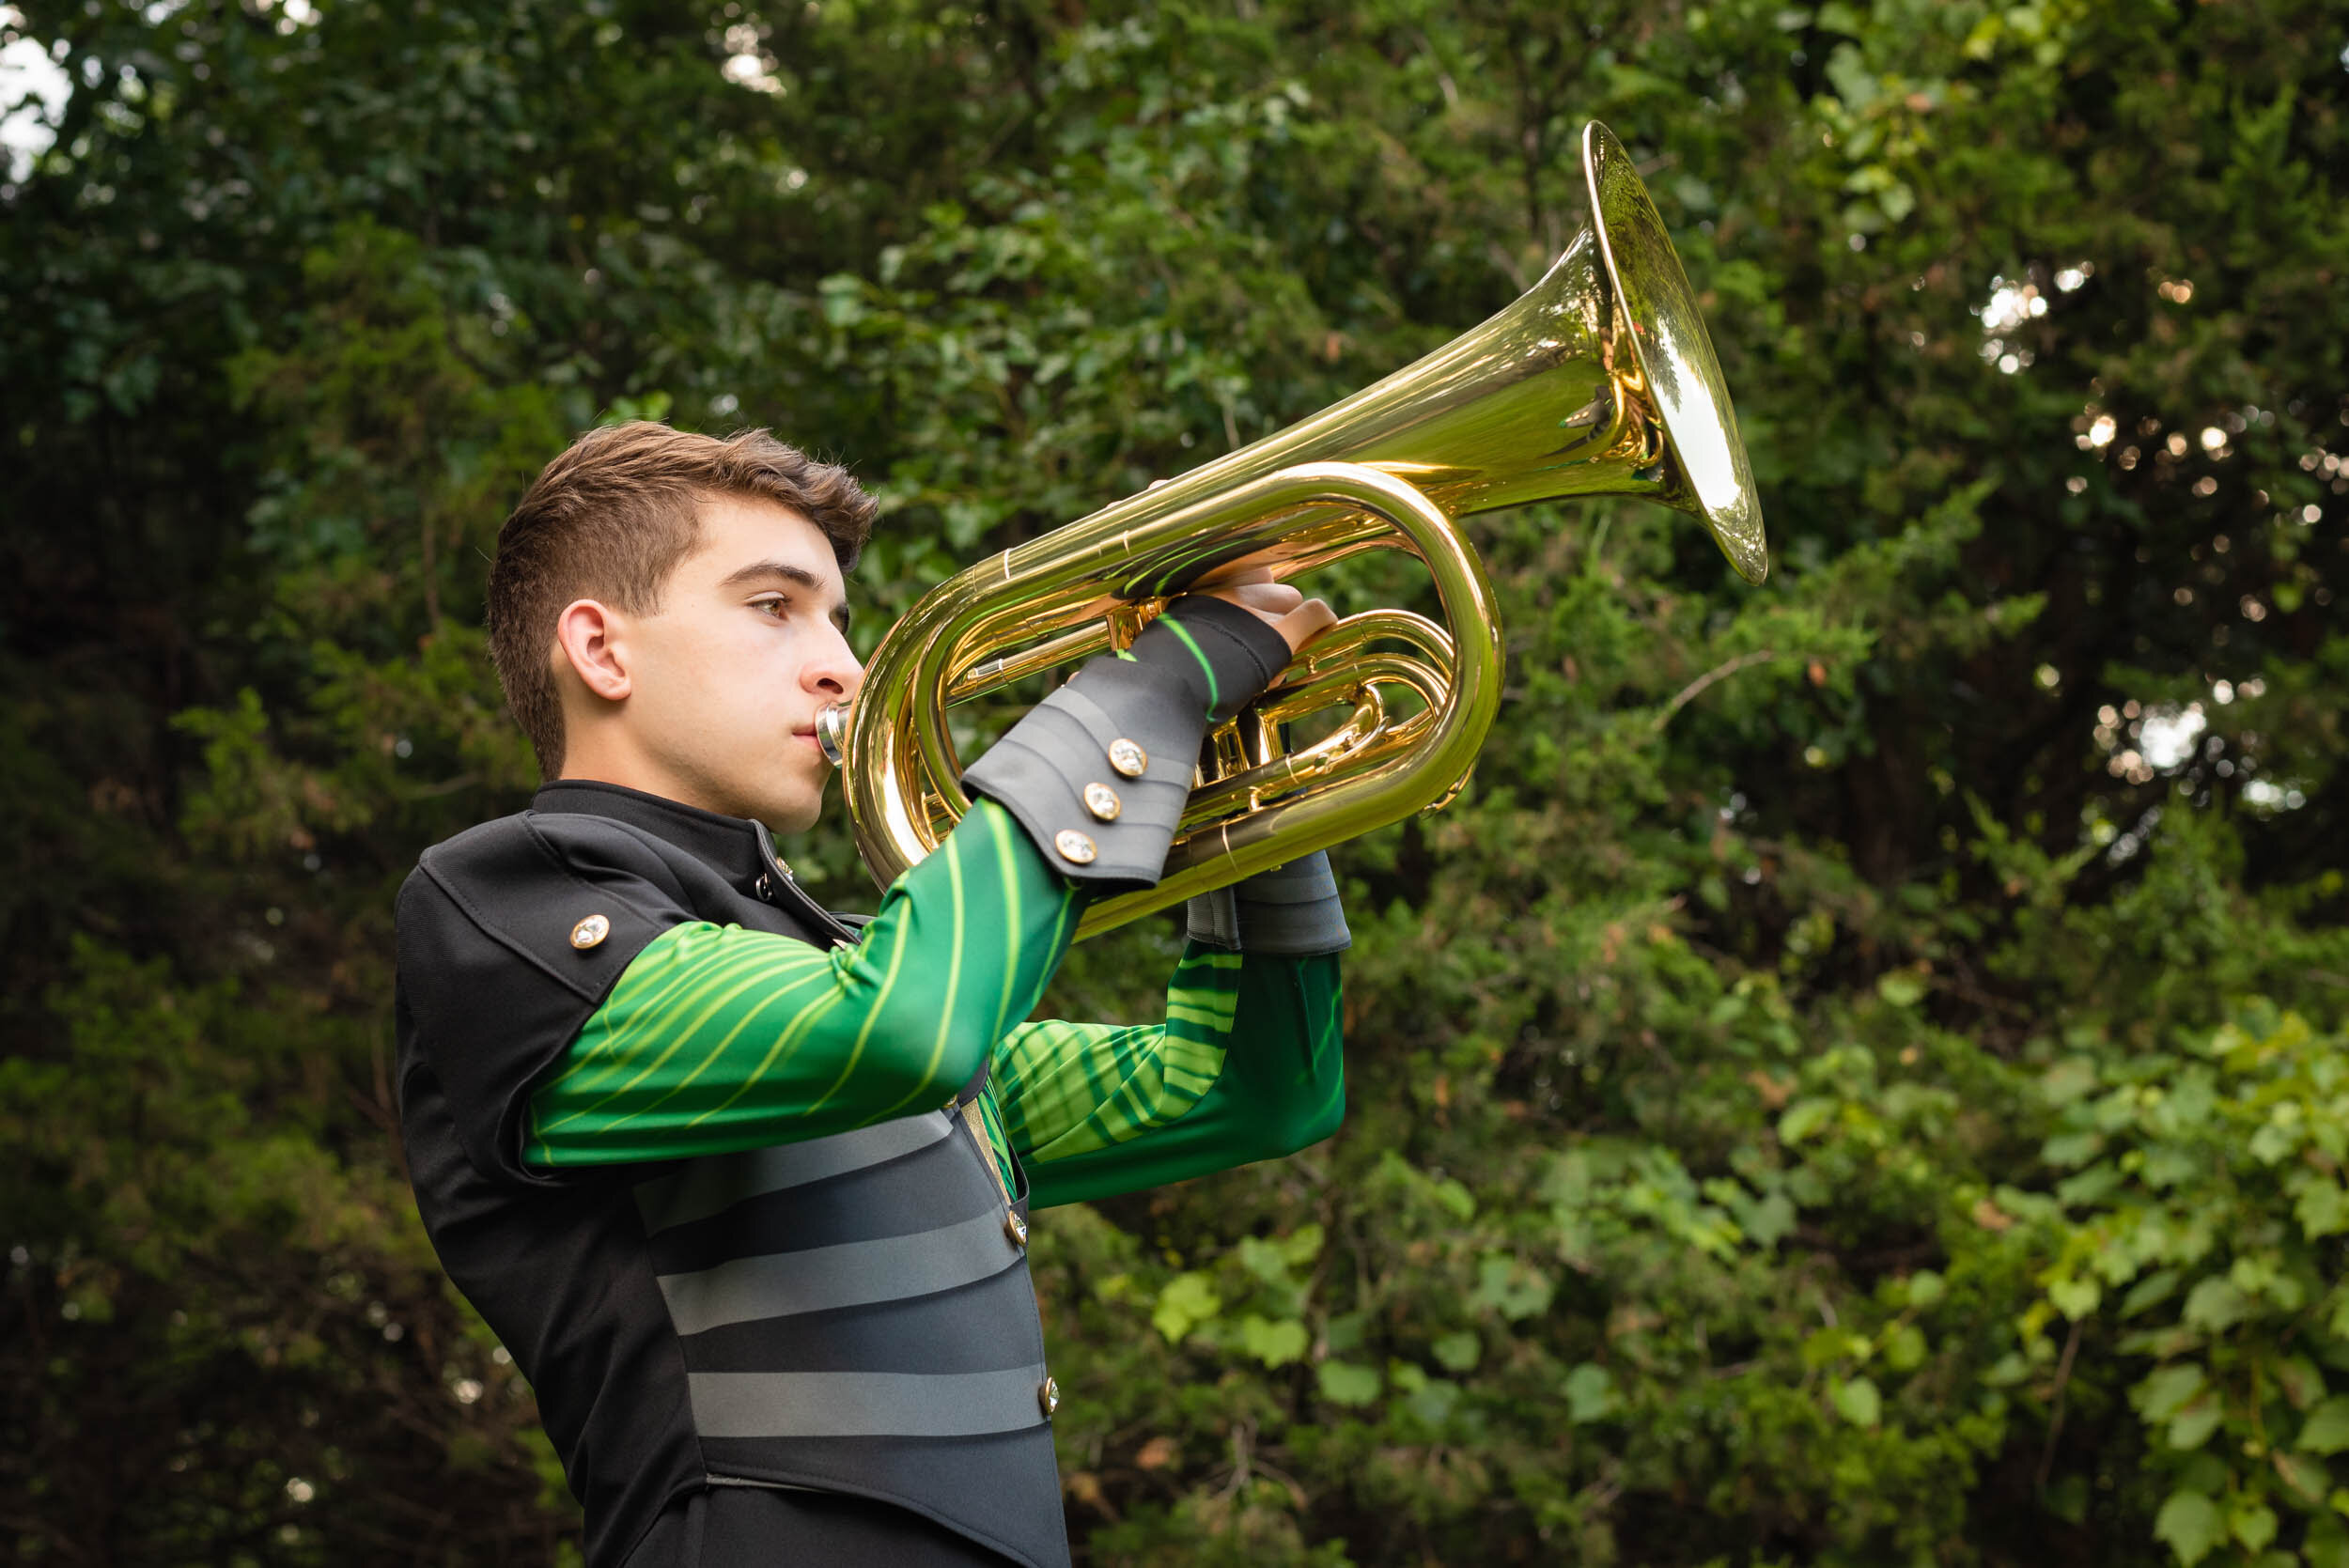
(1859, 1077)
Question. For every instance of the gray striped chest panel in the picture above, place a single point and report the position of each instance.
(860, 1285)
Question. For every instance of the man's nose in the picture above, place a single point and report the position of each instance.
(836, 673)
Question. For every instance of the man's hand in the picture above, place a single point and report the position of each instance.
(1285, 610)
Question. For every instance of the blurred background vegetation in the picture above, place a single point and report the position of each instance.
(1859, 1079)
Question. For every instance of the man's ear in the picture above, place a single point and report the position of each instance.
(589, 638)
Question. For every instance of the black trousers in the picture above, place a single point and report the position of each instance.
(759, 1527)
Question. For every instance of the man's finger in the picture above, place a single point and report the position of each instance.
(1273, 600)
(1306, 622)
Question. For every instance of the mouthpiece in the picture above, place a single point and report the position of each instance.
(831, 731)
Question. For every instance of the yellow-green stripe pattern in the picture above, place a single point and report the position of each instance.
(717, 1038)
(1248, 1065)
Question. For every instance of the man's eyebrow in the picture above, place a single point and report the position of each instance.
(797, 576)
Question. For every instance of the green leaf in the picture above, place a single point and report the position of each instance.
(2191, 1427)
(1590, 1394)
(1458, 1351)
(2273, 1143)
(1273, 1342)
(2252, 1523)
(2150, 1292)
(2076, 1298)
(1302, 1245)
(2067, 1080)
(2298, 1377)
(1900, 987)
(2215, 1305)
(2091, 1186)
(2190, 1525)
(1510, 1287)
(1347, 1383)
(2305, 1477)
(2165, 1391)
(2327, 1428)
(1434, 1401)
(1925, 1287)
(1904, 1349)
(2323, 1208)
(1857, 1401)
(1186, 1301)
(1803, 1118)
(1824, 1347)
(2072, 1148)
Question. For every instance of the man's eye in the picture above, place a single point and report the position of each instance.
(771, 606)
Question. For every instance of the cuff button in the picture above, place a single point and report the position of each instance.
(588, 932)
(1074, 847)
(1102, 801)
(1048, 1396)
(1127, 758)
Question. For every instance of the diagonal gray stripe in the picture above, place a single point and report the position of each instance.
(851, 1274)
(865, 1403)
(718, 1182)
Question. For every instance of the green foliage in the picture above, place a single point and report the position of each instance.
(1855, 1080)
(2205, 1202)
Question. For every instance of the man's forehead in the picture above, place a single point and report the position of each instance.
(740, 534)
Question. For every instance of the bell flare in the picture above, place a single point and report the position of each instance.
(1680, 376)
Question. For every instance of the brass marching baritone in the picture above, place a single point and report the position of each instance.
(1598, 381)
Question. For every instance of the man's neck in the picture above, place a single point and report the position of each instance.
(591, 760)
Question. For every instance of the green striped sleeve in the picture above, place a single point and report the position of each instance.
(717, 1038)
(1246, 1065)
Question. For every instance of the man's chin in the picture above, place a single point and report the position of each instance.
(792, 816)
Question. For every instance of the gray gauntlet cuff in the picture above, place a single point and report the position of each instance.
(1098, 771)
(1291, 912)
(1100, 793)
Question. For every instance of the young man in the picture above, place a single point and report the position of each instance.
(743, 1186)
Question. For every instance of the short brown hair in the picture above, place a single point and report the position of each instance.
(611, 517)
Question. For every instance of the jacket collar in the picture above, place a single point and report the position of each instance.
(737, 847)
